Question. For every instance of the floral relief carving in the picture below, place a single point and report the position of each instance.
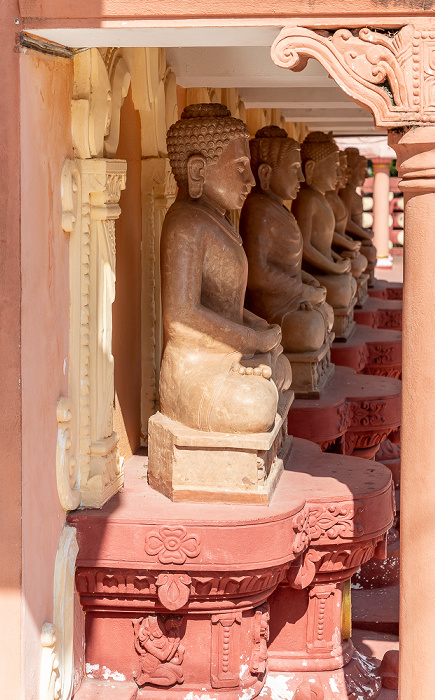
(301, 527)
(367, 413)
(380, 354)
(335, 520)
(158, 642)
(172, 545)
(390, 72)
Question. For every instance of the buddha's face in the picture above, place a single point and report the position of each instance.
(325, 173)
(228, 180)
(361, 171)
(285, 180)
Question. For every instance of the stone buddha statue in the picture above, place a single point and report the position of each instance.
(356, 174)
(222, 367)
(278, 289)
(316, 220)
(343, 244)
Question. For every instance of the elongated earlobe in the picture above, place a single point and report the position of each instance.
(264, 174)
(308, 171)
(195, 175)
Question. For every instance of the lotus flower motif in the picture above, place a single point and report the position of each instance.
(172, 545)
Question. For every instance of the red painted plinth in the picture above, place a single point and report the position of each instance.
(177, 595)
(371, 351)
(380, 313)
(354, 413)
(386, 290)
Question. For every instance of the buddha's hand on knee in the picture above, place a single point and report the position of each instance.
(305, 306)
(349, 254)
(268, 339)
(252, 370)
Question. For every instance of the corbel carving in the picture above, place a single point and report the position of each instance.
(389, 72)
(101, 82)
(87, 446)
(57, 670)
(225, 649)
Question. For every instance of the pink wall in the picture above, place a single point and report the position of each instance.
(10, 392)
(46, 89)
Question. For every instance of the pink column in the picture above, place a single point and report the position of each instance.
(416, 164)
(381, 209)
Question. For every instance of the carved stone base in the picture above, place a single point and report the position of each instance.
(343, 321)
(380, 313)
(353, 413)
(196, 466)
(361, 290)
(371, 351)
(387, 290)
(311, 371)
(176, 595)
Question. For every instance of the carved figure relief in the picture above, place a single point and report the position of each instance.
(157, 640)
(172, 545)
(260, 631)
(225, 649)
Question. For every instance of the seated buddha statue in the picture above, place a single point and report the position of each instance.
(278, 290)
(341, 242)
(356, 174)
(315, 217)
(222, 367)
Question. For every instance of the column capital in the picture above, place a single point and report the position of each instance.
(389, 72)
(415, 149)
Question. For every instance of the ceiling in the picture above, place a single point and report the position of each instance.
(239, 57)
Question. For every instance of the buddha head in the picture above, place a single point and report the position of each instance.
(356, 167)
(320, 161)
(342, 170)
(209, 155)
(276, 162)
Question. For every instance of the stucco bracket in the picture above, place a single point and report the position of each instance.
(389, 73)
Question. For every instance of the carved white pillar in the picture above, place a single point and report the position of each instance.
(88, 455)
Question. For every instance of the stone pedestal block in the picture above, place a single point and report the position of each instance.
(361, 290)
(311, 371)
(197, 466)
(344, 323)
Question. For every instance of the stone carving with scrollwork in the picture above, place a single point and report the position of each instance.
(389, 72)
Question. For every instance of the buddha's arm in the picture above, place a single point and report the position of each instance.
(304, 213)
(363, 233)
(183, 252)
(353, 226)
(345, 242)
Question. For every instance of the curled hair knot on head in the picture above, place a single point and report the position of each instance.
(270, 146)
(205, 130)
(317, 146)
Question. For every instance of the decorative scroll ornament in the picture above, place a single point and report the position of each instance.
(172, 545)
(391, 73)
(335, 520)
(50, 684)
(158, 643)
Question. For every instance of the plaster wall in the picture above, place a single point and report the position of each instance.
(46, 89)
(10, 379)
(126, 338)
